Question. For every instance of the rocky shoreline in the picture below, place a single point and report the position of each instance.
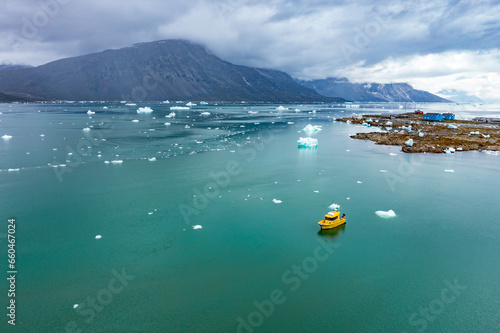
(428, 136)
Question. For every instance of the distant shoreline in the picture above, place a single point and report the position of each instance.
(416, 135)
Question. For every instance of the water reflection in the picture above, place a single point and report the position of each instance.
(331, 234)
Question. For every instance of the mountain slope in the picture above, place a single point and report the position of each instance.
(5, 67)
(371, 92)
(169, 69)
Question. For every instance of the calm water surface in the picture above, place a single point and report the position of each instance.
(255, 265)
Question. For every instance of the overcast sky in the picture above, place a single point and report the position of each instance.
(432, 45)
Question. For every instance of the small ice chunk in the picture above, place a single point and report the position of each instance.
(475, 133)
(98, 237)
(421, 134)
(452, 126)
(13, 170)
(449, 150)
(90, 112)
(393, 154)
(309, 129)
(75, 306)
(281, 108)
(170, 115)
(384, 214)
(117, 162)
(167, 124)
(86, 129)
(144, 110)
(152, 159)
(307, 143)
(179, 108)
(42, 135)
(7, 137)
(316, 191)
(135, 121)
(197, 227)
(150, 213)
(277, 201)
(485, 136)
(359, 182)
(206, 113)
(449, 170)
(409, 143)
(334, 206)
(389, 123)
(191, 104)
(383, 170)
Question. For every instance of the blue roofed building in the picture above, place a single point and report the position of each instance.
(433, 116)
(448, 116)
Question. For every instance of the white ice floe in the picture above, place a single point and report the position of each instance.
(135, 120)
(90, 112)
(309, 129)
(206, 113)
(42, 135)
(393, 154)
(13, 170)
(307, 143)
(486, 136)
(187, 126)
(191, 104)
(281, 108)
(316, 191)
(98, 237)
(359, 182)
(290, 123)
(389, 123)
(170, 115)
(383, 170)
(7, 137)
(75, 306)
(117, 162)
(197, 227)
(179, 108)
(384, 214)
(104, 107)
(131, 104)
(452, 126)
(334, 206)
(152, 159)
(449, 150)
(475, 133)
(421, 134)
(86, 129)
(144, 110)
(409, 143)
(277, 201)
(449, 170)
(253, 112)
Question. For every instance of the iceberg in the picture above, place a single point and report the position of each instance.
(144, 110)
(409, 143)
(7, 137)
(384, 214)
(170, 115)
(309, 129)
(197, 227)
(307, 143)
(90, 112)
(334, 206)
(179, 108)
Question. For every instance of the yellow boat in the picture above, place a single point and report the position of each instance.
(332, 220)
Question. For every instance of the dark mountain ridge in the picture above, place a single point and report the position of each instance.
(155, 71)
(371, 92)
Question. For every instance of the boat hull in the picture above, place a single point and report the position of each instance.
(330, 225)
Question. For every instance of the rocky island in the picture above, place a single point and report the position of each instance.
(416, 135)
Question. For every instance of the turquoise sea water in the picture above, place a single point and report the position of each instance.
(255, 265)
